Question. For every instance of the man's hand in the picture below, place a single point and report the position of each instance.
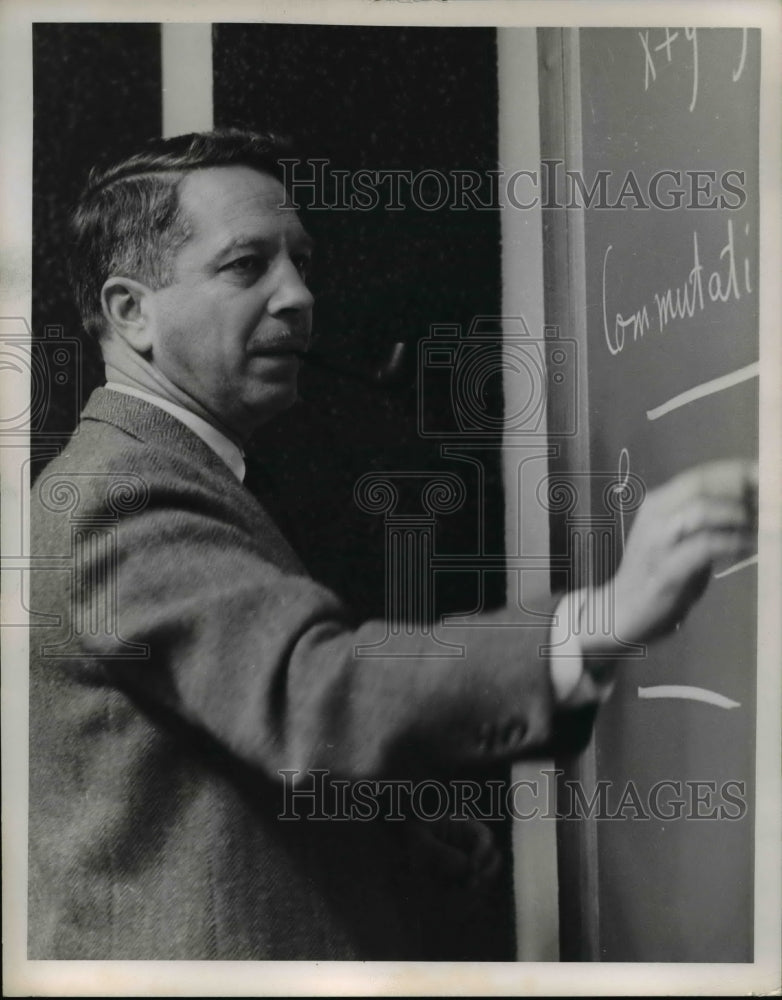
(702, 516)
(461, 851)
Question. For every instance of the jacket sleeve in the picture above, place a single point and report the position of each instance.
(269, 664)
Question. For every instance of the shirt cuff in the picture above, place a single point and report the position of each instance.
(577, 681)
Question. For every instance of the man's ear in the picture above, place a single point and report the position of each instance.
(125, 304)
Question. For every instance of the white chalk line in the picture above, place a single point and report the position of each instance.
(736, 567)
(705, 389)
(689, 692)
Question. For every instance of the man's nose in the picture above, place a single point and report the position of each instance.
(291, 291)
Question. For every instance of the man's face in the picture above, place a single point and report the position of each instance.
(229, 327)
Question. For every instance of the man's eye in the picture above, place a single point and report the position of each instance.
(245, 266)
(302, 263)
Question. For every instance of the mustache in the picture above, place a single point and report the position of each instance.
(283, 342)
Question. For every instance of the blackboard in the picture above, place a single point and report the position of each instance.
(655, 277)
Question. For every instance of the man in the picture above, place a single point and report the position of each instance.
(185, 662)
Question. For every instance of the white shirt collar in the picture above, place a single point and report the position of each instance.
(218, 442)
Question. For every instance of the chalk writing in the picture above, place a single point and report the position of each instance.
(740, 68)
(638, 322)
(705, 389)
(622, 490)
(665, 51)
(735, 567)
(689, 692)
(681, 300)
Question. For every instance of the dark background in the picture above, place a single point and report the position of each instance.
(95, 86)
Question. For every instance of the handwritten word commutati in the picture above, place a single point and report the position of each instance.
(681, 300)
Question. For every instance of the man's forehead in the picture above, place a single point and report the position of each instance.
(218, 200)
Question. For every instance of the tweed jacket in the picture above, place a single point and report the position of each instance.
(181, 659)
